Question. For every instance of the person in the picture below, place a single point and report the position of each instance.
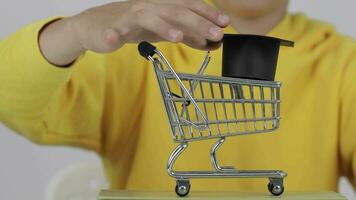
(80, 81)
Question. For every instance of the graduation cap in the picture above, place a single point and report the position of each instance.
(251, 56)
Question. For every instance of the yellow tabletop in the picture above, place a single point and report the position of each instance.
(140, 195)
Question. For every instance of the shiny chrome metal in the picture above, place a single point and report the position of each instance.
(230, 174)
(210, 104)
(214, 160)
(183, 88)
(172, 159)
(216, 108)
(273, 175)
(193, 85)
(201, 71)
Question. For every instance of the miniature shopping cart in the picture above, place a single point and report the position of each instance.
(201, 107)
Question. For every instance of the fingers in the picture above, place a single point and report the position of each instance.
(201, 8)
(164, 30)
(191, 39)
(188, 20)
(196, 29)
(206, 11)
(170, 20)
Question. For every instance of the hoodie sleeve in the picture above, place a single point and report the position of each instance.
(45, 103)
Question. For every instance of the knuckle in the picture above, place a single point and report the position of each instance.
(111, 38)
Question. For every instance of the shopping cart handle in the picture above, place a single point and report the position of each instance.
(146, 49)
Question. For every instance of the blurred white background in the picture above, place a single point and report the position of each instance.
(25, 168)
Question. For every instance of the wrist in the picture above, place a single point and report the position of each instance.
(68, 24)
(57, 43)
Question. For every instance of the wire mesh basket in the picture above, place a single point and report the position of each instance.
(220, 107)
(201, 107)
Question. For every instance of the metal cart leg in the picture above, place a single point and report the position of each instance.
(214, 160)
(172, 159)
(183, 184)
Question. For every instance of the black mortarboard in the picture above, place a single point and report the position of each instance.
(251, 56)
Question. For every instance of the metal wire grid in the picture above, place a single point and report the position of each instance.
(229, 106)
(201, 107)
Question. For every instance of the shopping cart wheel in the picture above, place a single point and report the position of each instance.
(275, 189)
(182, 188)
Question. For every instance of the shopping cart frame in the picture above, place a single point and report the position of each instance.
(276, 177)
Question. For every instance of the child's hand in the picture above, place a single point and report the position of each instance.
(106, 28)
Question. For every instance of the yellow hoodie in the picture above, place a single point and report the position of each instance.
(111, 104)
